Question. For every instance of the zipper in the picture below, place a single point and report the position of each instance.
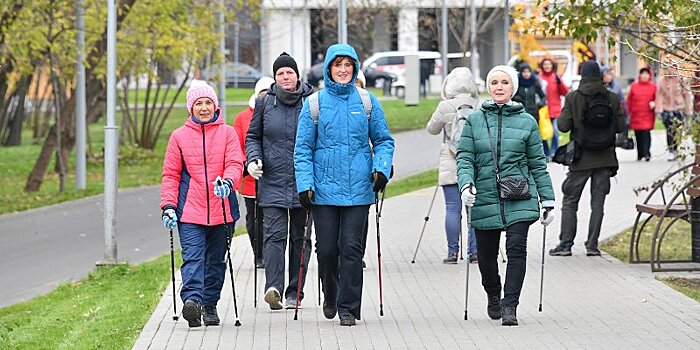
(206, 176)
(502, 204)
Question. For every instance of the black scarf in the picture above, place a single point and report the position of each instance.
(289, 98)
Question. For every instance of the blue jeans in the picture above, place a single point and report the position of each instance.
(340, 234)
(203, 265)
(453, 221)
(555, 139)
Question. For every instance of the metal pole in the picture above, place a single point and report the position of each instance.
(264, 67)
(607, 47)
(342, 22)
(236, 45)
(475, 51)
(443, 33)
(222, 66)
(111, 140)
(80, 101)
(506, 29)
(291, 27)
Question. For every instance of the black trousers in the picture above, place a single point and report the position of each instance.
(340, 235)
(254, 228)
(643, 143)
(672, 121)
(572, 187)
(487, 244)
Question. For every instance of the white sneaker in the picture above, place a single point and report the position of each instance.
(274, 299)
(671, 157)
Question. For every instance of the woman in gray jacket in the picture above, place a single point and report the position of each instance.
(458, 89)
(270, 155)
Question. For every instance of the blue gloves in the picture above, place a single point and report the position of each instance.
(222, 188)
(169, 218)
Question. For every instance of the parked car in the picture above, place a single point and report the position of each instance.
(567, 65)
(247, 75)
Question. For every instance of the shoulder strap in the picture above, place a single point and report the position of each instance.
(314, 107)
(366, 101)
(493, 154)
(262, 115)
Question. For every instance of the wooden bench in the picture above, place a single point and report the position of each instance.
(679, 200)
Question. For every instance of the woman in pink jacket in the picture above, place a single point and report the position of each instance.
(199, 153)
(555, 89)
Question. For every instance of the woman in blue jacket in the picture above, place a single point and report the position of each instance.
(338, 173)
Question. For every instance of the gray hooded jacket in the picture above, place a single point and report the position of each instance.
(458, 88)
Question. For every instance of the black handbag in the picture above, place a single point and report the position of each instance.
(510, 188)
(567, 154)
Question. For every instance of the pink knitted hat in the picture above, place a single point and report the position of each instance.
(199, 89)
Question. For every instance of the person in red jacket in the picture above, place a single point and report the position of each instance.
(247, 186)
(554, 88)
(200, 154)
(640, 102)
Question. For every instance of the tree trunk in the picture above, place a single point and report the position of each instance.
(17, 118)
(36, 178)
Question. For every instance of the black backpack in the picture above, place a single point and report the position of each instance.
(598, 121)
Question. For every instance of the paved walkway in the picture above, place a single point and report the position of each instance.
(589, 302)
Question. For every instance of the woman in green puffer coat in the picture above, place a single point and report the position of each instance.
(501, 149)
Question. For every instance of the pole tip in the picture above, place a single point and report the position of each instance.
(175, 318)
(465, 315)
(413, 261)
(540, 307)
(296, 317)
(238, 323)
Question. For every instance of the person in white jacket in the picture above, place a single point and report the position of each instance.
(458, 89)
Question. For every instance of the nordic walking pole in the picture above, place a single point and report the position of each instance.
(544, 238)
(503, 256)
(379, 248)
(427, 217)
(307, 233)
(461, 247)
(466, 284)
(229, 239)
(255, 250)
(172, 273)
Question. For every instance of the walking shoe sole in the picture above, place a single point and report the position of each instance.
(211, 323)
(273, 298)
(560, 253)
(192, 314)
(592, 253)
(348, 322)
(509, 323)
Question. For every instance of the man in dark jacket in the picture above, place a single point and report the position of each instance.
(598, 165)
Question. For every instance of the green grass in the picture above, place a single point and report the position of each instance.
(412, 183)
(675, 246)
(105, 310)
(401, 117)
(688, 286)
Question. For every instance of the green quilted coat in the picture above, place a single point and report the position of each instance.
(519, 154)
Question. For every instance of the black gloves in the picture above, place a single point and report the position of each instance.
(305, 199)
(379, 182)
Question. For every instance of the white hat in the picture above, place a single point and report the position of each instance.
(361, 78)
(510, 71)
(263, 83)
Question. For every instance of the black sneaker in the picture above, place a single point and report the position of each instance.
(560, 251)
(509, 317)
(192, 312)
(592, 252)
(347, 320)
(330, 309)
(494, 308)
(364, 264)
(474, 259)
(209, 316)
(451, 259)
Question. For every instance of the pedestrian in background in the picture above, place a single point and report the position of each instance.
(198, 153)
(673, 101)
(530, 93)
(270, 157)
(598, 165)
(458, 89)
(339, 174)
(555, 89)
(641, 103)
(254, 215)
(501, 149)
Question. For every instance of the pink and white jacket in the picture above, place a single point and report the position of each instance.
(197, 153)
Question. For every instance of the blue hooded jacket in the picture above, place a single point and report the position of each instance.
(334, 158)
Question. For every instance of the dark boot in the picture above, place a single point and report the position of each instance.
(347, 320)
(509, 316)
(192, 312)
(560, 251)
(451, 259)
(494, 308)
(209, 315)
(329, 309)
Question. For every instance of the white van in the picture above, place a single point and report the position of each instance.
(567, 65)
